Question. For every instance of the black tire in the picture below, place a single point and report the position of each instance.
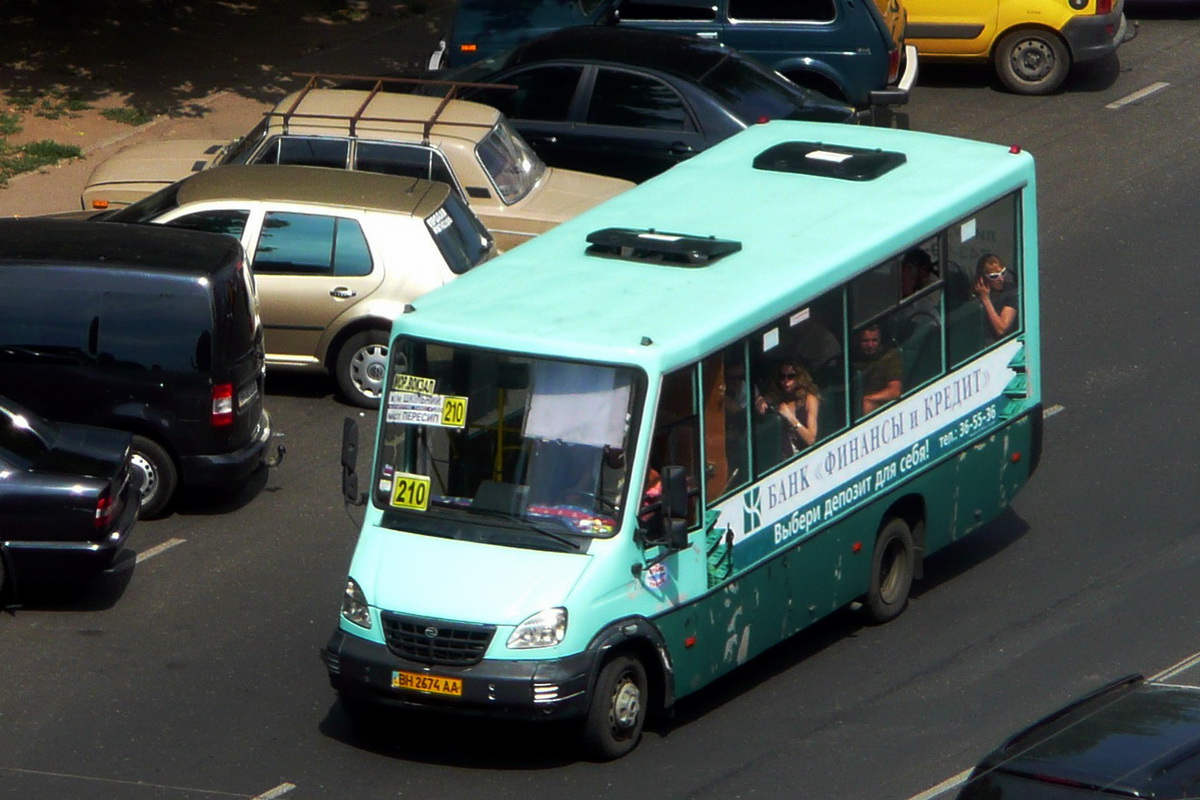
(156, 475)
(361, 368)
(891, 572)
(1032, 61)
(618, 710)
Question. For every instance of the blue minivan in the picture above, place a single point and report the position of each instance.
(843, 49)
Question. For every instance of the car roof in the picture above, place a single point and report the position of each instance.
(322, 186)
(111, 245)
(1135, 737)
(366, 113)
(670, 53)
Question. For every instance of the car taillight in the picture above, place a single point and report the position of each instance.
(105, 508)
(893, 65)
(1104, 7)
(222, 405)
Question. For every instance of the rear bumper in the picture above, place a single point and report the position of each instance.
(79, 559)
(898, 95)
(1094, 37)
(554, 689)
(225, 468)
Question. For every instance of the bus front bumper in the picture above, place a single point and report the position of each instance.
(553, 689)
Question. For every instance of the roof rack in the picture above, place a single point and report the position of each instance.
(377, 85)
(658, 247)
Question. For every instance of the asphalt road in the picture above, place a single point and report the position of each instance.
(191, 670)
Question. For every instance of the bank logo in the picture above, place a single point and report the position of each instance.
(751, 511)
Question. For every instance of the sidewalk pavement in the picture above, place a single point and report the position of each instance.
(224, 115)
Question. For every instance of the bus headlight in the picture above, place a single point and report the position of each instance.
(354, 605)
(544, 629)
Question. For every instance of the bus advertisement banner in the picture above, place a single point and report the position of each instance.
(870, 458)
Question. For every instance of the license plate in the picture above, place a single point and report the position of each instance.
(430, 684)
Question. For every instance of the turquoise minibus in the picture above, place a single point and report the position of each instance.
(620, 460)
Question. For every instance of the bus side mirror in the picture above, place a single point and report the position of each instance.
(350, 464)
(674, 508)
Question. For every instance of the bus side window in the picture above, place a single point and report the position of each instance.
(727, 398)
(984, 287)
(676, 439)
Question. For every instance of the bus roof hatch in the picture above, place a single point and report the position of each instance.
(828, 160)
(658, 247)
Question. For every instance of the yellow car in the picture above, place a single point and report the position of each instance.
(1031, 43)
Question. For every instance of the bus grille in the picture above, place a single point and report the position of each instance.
(433, 641)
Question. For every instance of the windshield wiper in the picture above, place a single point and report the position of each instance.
(525, 524)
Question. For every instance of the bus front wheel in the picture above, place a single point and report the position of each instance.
(891, 572)
(618, 710)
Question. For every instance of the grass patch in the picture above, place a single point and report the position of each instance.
(127, 115)
(52, 103)
(28, 157)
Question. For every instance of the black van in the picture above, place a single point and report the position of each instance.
(149, 329)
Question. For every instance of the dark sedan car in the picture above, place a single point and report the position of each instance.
(1131, 738)
(631, 103)
(67, 498)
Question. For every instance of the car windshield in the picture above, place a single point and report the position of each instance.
(459, 234)
(505, 449)
(753, 94)
(511, 164)
(149, 207)
(240, 150)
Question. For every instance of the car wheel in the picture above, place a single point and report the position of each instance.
(155, 474)
(1032, 61)
(361, 367)
(891, 572)
(618, 710)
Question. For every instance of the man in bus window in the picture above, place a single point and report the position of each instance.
(880, 369)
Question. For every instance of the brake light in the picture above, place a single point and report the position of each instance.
(467, 48)
(763, 119)
(1104, 7)
(222, 405)
(893, 65)
(105, 508)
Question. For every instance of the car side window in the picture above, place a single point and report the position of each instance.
(542, 93)
(649, 10)
(635, 101)
(311, 244)
(306, 151)
(406, 160)
(782, 10)
(229, 222)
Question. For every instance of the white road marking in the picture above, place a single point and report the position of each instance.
(944, 786)
(1138, 95)
(158, 548)
(140, 784)
(278, 791)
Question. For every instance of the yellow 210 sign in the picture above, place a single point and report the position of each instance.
(410, 491)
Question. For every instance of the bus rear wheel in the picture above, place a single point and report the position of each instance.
(618, 710)
(891, 572)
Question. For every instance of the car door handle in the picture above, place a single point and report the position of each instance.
(342, 292)
(706, 34)
(680, 148)
(545, 139)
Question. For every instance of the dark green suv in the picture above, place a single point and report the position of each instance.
(846, 50)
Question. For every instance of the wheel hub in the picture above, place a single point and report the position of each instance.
(626, 706)
(1032, 60)
(146, 476)
(368, 369)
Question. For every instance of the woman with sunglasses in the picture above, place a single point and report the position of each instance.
(998, 296)
(795, 398)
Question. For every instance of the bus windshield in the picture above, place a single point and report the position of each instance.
(506, 449)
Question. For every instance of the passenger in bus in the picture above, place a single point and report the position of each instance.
(997, 293)
(818, 349)
(917, 272)
(880, 369)
(796, 400)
